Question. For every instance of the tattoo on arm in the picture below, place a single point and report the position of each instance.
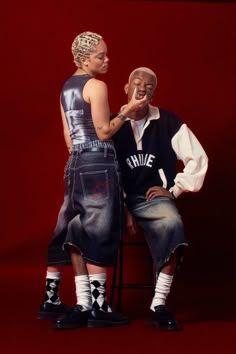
(99, 128)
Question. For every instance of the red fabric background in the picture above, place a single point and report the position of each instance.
(191, 47)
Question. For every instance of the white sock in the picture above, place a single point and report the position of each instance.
(162, 290)
(83, 292)
(98, 291)
(53, 275)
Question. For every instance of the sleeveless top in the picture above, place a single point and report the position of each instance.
(78, 114)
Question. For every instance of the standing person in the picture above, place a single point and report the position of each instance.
(88, 228)
(148, 146)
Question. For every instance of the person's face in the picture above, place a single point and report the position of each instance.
(144, 84)
(97, 63)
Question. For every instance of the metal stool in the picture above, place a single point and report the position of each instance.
(117, 277)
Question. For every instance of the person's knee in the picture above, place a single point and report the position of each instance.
(173, 220)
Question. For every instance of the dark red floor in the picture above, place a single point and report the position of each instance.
(206, 312)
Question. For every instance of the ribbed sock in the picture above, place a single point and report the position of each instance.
(162, 290)
(83, 292)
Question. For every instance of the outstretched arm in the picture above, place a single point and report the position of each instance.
(98, 98)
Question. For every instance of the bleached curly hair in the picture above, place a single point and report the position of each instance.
(83, 45)
(143, 70)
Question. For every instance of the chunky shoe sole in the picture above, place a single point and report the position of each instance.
(69, 326)
(92, 323)
(50, 315)
(175, 327)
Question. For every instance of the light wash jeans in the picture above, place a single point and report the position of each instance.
(162, 225)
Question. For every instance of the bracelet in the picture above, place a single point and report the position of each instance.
(122, 116)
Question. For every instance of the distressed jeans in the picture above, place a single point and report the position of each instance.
(90, 217)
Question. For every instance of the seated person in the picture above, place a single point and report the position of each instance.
(148, 146)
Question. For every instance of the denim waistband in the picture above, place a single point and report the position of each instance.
(93, 144)
(105, 150)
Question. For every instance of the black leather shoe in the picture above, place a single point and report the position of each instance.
(75, 319)
(49, 311)
(106, 319)
(164, 319)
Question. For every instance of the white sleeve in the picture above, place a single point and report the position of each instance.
(189, 150)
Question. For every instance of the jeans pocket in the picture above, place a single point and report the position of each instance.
(95, 185)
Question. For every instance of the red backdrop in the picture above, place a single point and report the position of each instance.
(191, 47)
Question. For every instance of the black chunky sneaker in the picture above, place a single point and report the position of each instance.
(164, 320)
(50, 311)
(75, 319)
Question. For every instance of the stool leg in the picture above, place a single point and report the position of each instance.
(118, 270)
(113, 282)
(120, 279)
(152, 274)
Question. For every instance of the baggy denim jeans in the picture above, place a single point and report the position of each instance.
(90, 217)
(162, 225)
